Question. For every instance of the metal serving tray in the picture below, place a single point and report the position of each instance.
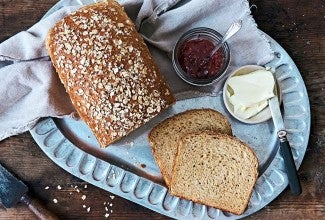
(127, 168)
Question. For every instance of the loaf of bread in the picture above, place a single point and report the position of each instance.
(165, 136)
(107, 70)
(215, 169)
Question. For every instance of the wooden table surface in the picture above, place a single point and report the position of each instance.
(299, 26)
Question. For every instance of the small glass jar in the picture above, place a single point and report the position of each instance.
(206, 34)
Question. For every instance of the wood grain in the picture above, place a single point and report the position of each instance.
(299, 26)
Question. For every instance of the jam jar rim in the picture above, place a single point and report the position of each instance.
(212, 34)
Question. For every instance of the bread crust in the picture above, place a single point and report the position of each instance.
(204, 202)
(173, 118)
(107, 70)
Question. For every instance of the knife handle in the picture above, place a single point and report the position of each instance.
(37, 208)
(289, 163)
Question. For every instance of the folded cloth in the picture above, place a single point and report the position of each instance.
(30, 88)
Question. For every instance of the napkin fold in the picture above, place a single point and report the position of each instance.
(30, 89)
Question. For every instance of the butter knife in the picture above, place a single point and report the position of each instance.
(285, 148)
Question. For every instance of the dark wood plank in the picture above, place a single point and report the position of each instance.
(299, 26)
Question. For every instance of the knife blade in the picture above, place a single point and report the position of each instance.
(13, 190)
(285, 148)
(276, 113)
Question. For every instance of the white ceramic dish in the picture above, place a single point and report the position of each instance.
(263, 115)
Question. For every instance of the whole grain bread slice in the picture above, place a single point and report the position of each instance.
(215, 169)
(165, 136)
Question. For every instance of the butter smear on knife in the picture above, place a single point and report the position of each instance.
(249, 93)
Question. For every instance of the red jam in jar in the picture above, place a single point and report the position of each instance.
(191, 58)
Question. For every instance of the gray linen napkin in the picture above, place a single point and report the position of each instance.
(30, 88)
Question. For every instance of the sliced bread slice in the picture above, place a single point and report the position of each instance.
(165, 136)
(215, 169)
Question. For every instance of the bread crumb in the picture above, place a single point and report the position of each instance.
(106, 209)
(85, 186)
(88, 209)
(55, 200)
(106, 215)
(59, 187)
(83, 197)
(46, 187)
(84, 206)
(112, 197)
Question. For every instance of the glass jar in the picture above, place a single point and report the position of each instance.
(197, 37)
